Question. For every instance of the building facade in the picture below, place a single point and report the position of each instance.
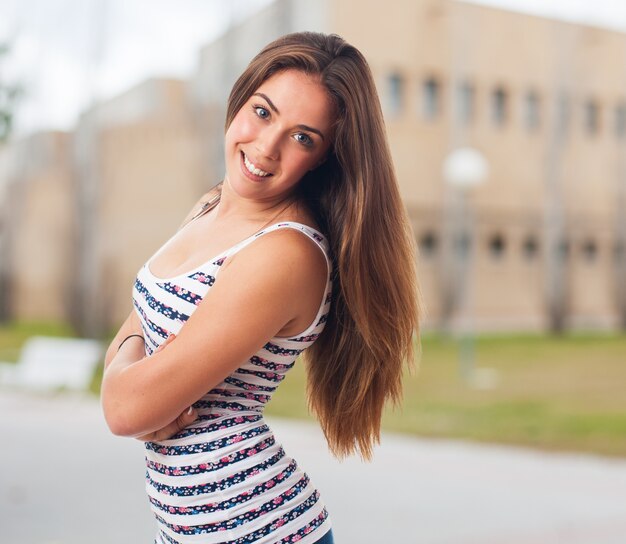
(540, 244)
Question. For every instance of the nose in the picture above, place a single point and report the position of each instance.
(268, 144)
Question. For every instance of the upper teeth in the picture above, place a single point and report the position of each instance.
(253, 169)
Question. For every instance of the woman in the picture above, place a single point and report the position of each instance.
(315, 256)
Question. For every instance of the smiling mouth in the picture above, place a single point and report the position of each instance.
(254, 170)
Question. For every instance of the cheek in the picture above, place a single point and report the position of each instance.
(241, 129)
(299, 165)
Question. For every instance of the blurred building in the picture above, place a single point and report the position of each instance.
(136, 161)
(82, 211)
(543, 100)
(37, 227)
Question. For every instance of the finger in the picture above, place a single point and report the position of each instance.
(187, 417)
(191, 415)
(168, 431)
(174, 427)
(164, 433)
(166, 342)
(183, 420)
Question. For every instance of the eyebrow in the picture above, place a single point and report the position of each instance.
(275, 109)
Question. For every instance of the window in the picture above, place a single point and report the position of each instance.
(395, 94)
(590, 250)
(496, 246)
(592, 117)
(531, 113)
(530, 247)
(465, 96)
(431, 98)
(620, 120)
(499, 106)
(428, 244)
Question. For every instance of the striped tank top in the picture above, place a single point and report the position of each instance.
(225, 478)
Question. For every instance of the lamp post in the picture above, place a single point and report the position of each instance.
(463, 169)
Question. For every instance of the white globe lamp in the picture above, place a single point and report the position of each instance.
(465, 167)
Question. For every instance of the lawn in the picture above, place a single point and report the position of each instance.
(553, 393)
(13, 335)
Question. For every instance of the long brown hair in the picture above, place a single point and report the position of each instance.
(356, 364)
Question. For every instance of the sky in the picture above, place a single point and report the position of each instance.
(70, 53)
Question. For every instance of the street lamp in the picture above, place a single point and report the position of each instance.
(463, 169)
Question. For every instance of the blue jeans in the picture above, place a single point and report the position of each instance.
(326, 539)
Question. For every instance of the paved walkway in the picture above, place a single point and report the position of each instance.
(64, 479)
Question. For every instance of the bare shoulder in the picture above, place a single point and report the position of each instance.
(282, 270)
(287, 251)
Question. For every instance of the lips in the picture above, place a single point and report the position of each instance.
(252, 168)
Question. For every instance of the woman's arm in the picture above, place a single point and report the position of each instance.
(254, 297)
(130, 353)
(130, 326)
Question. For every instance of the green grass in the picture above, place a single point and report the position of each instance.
(553, 393)
(14, 334)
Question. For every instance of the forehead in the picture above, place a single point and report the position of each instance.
(300, 98)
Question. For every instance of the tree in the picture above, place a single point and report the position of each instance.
(9, 97)
(10, 93)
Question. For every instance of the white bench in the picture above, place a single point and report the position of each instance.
(51, 363)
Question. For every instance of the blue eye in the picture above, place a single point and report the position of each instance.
(304, 139)
(262, 112)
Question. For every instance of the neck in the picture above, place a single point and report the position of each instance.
(234, 207)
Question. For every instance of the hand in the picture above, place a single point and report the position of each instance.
(183, 420)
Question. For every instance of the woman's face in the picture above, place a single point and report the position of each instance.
(283, 131)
